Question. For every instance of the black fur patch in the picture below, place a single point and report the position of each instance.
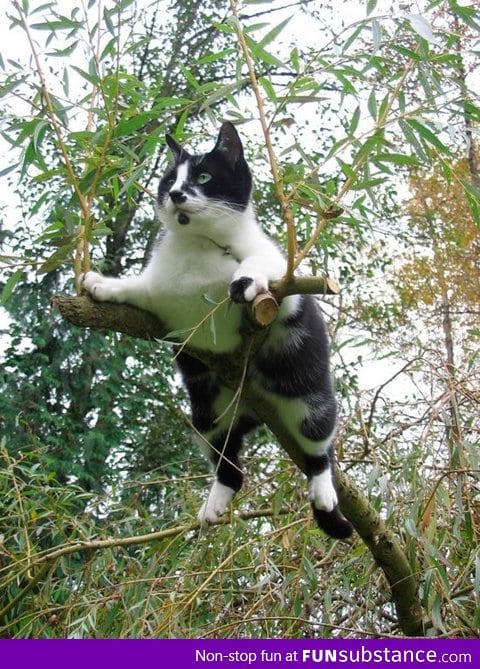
(299, 367)
(238, 288)
(231, 179)
(333, 523)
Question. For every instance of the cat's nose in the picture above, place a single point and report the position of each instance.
(177, 196)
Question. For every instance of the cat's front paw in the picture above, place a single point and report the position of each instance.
(246, 288)
(100, 287)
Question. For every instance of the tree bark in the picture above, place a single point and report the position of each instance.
(84, 312)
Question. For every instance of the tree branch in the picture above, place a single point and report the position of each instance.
(387, 552)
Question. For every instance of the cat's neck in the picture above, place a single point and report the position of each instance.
(227, 230)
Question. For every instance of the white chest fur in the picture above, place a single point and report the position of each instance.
(187, 283)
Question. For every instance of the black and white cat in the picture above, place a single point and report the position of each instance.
(212, 247)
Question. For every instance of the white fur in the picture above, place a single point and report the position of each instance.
(191, 270)
(321, 491)
(293, 411)
(216, 503)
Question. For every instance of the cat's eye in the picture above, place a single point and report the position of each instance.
(203, 178)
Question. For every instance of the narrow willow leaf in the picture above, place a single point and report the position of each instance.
(7, 170)
(108, 21)
(8, 288)
(354, 121)
(372, 104)
(294, 59)
(58, 258)
(473, 198)
(92, 78)
(63, 53)
(376, 36)
(413, 141)
(268, 88)
(11, 86)
(274, 32)
(422, 27)
(397, 158)
(214, 57)
(427, 134)
(220, 94)
(346, 169)
(259, 53)
(39, 134)
(63, 23)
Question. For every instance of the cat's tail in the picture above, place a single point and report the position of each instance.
(333, 522)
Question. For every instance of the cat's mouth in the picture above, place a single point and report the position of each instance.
(184, 214)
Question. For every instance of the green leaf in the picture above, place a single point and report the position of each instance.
(128, 126)
(428, 135)
(346, 169)
(260, 54)
(376, 36)
(62, 23)
(422, 27)
(268, 88)
(413, 141)
(11, 86)
(58, 258)
(10, 285)
(354, 121)
(214, 57)
(372, 104)
(473, 197)
(7, 170)
(397, 158)
(274, 32)
(63, 53)
(92, 78)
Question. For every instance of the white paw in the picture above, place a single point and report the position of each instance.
(216, 503)
(321, 491)
(101, 288)
(245, 288)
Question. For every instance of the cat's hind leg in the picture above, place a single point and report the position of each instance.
(312, 420)
(220, 423)
(223, 451)
(224, 444)
(323, 497)
(317, 431)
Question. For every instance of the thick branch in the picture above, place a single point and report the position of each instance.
(387, 552)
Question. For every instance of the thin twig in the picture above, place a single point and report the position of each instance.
(284, 201)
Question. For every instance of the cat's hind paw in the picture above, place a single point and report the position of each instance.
(216, 503)
(246, 288)
(321, 491)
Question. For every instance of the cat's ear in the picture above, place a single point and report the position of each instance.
(178, 151)
(229, 143)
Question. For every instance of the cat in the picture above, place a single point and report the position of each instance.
(212, 248)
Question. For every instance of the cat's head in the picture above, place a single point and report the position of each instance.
(203, 193)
